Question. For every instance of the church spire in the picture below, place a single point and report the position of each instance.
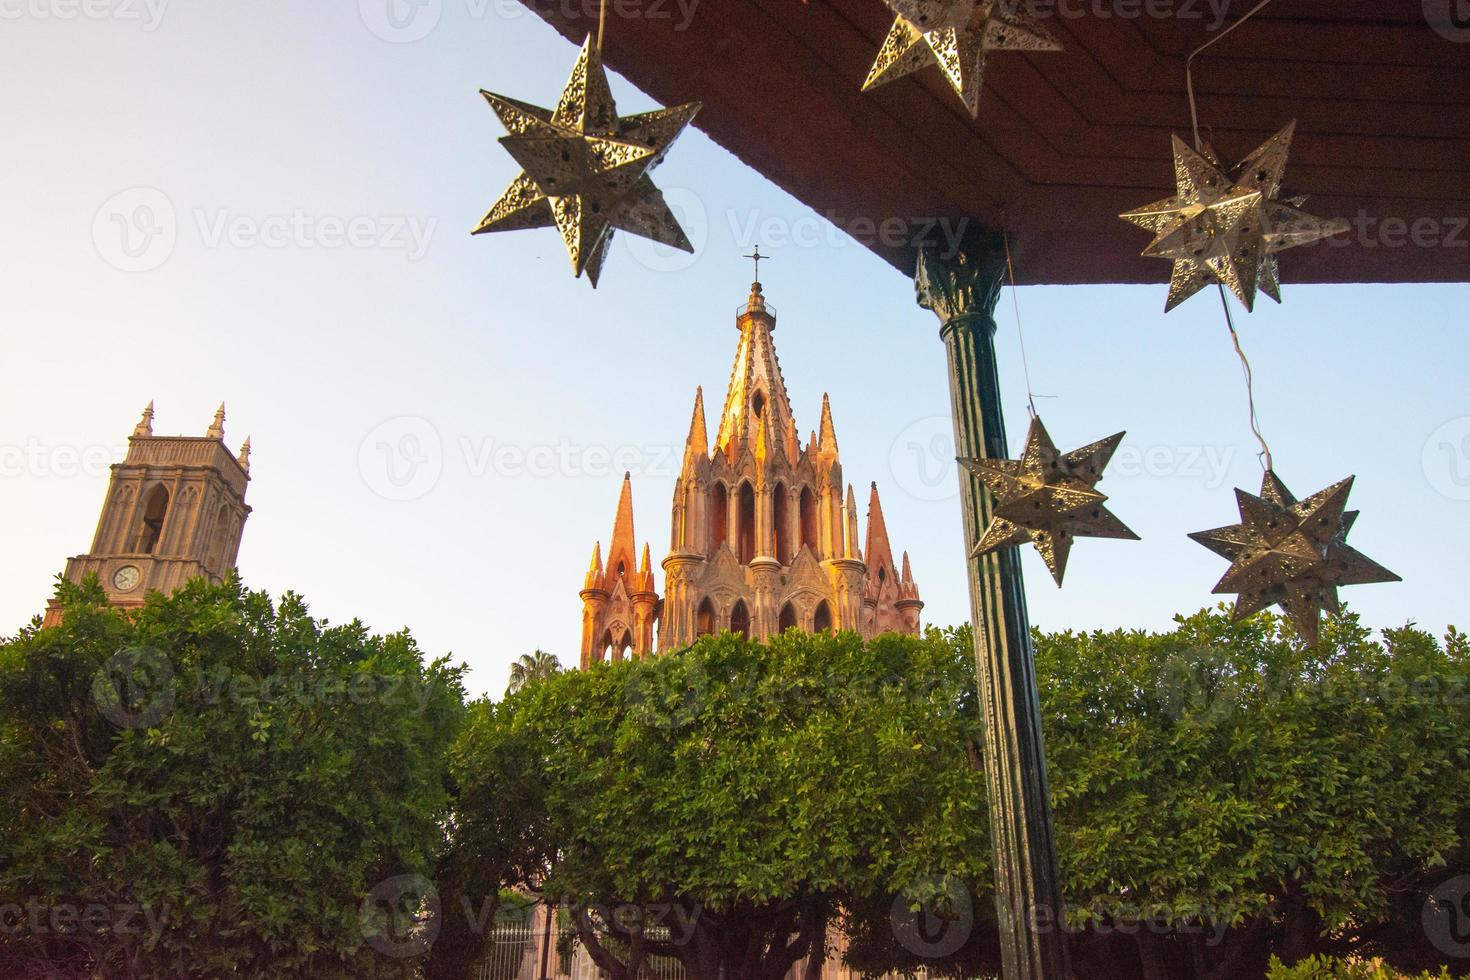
(594, 571)
(144, 427)
(879, 552)
(850, 538)
(216, 428)
(644, 582)
(908, 592)
(622, 556)
(244, 458)
(827, 440)
(757, 392)
(697, 445)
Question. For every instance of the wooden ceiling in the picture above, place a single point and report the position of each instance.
(1065, 141)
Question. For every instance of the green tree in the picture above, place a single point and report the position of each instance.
(218, 784)
(725, 805)
(1326, 968)
(532, 667)
(1222, 793)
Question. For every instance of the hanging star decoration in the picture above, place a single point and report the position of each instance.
(585, 168)
(1228, 226)
(956, 35)
(1291, 553)
(1048, 498)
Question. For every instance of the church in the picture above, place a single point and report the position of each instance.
(175, 510)
(764, 537)
(764, 533)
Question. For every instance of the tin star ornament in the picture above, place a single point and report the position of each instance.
(585, 168)
(1291, 553)
(956, 35)
(1227, 226)
(1047, 498)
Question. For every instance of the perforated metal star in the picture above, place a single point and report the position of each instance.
(1228, 226)
(1048, 498)
(956, 35)
(585, 168)
(1291, 553)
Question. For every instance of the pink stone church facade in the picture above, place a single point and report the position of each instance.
(764, 533)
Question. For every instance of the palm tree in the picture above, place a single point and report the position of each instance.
(532, 667)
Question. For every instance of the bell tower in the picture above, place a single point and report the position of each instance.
(175, 510)
(764, 533)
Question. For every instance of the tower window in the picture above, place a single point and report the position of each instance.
(740, 619)
(622, 569)
(747, 524)
(783, 533)
(809, 518)
(155, 509)
(787, 619)
(822, 619)
(221, 544)
(719, 517)
(758, 404)
(704, 620)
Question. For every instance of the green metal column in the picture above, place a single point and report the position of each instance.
(962, 290)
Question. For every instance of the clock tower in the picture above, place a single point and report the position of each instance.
(174, 511)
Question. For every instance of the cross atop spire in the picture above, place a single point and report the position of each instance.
(757, 256)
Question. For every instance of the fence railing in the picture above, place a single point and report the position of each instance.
(515, 952)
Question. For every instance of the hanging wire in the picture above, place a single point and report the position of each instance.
(1020, 334)
(1189, 66)
(1245, 364)
(1250, 388)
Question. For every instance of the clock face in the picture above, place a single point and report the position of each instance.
(126, 579)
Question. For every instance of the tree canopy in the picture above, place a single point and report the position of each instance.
(1222, 792)
(217, 784)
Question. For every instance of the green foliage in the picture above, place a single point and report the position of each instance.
(532, 667)
(1221, 792)
(1327, 968)
(758, 785)
(229, 775)
(1226, 774)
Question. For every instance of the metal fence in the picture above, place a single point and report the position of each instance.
(516, 951)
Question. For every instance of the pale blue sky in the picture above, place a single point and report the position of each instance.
(270, 131)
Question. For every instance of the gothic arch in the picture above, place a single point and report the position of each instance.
(782, 524)
(740, 619)
(808, 508)
(787, 619)
(220, 539)
(719, 516)
(155, 512)
(822, 618)
(704, 619)
(746, 525)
